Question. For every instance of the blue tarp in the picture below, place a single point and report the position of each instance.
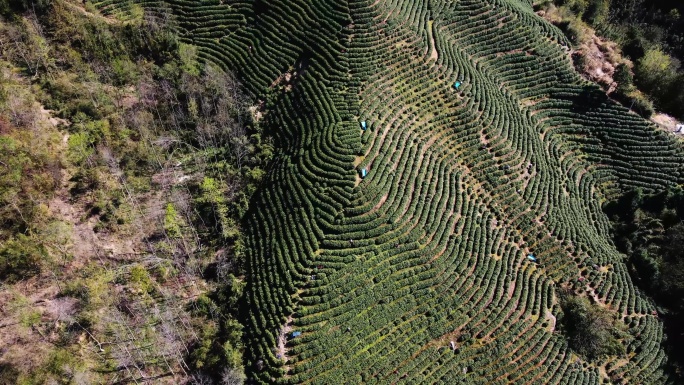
(364, 172)
(531, 257)
(363, 125)
(457, 85)
(296, 334)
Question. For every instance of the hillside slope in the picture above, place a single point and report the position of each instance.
(381, 274)
(125, 167)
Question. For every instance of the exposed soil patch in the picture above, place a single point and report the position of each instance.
(257, 111)
(552, 319)
(290, 78)
(281, 351)
(382, 200)
(46, 115)
(595, 58)
(431, 33)
(665, 122)
(599, 60)
(83, 236)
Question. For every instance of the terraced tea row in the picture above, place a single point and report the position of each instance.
(419, 270)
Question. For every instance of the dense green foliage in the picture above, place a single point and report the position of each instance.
(650, 230)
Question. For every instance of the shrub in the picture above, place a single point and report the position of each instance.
(642, 105)
(575, 30)
(624, 78)
(141, 278)
(21, 257)
(172, 222)
(655, 72)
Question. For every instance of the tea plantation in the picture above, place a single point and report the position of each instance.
(428, 151)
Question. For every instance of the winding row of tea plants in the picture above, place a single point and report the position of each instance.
(418, 272)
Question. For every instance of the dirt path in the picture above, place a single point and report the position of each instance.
(552, 319)
(382, 201)
(281, 351)
(431, 34)
(46, 115)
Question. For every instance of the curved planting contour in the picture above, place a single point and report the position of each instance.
(397, 249)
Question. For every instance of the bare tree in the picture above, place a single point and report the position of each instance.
(201, 379)
(28, 43)
(241, 148)
(232, 376)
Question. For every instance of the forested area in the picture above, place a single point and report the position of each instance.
(126, 164)
(592, 331)
(650, 34)
(649, 229)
